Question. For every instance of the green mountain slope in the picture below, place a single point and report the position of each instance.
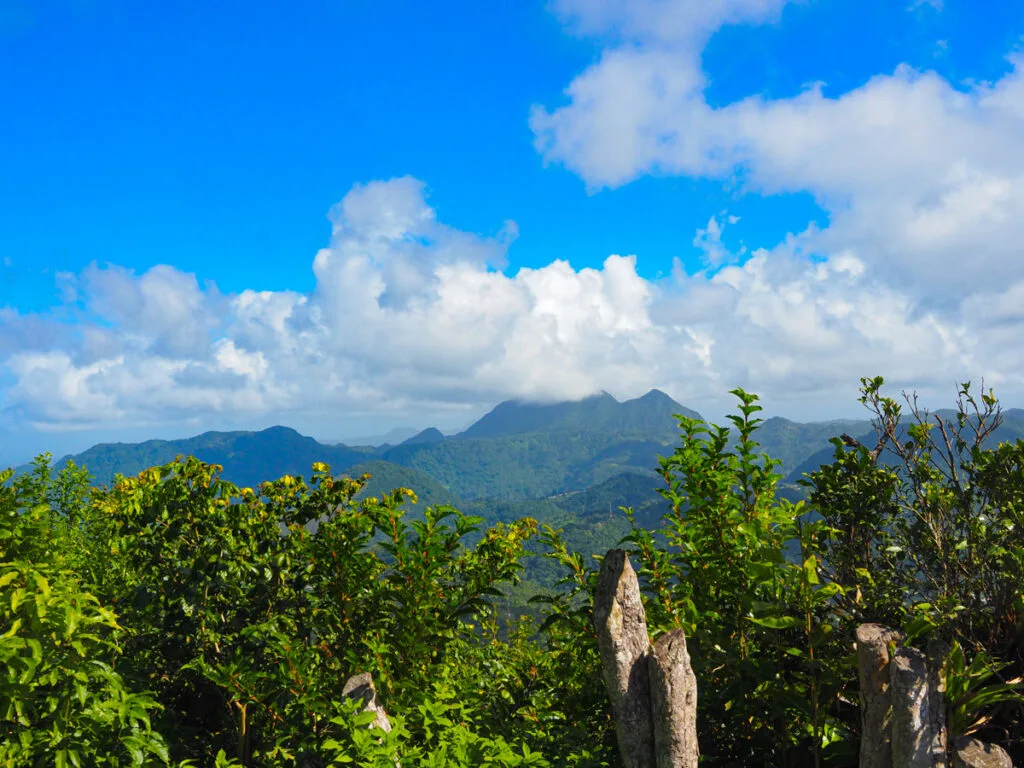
(523, 450)
(627, 489)
(568, 461)
(429, 435)
(792, 442)
(517, 451)
(527, 465)
(385, 477)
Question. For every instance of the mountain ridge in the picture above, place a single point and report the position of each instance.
(517, 451)
(598, 412)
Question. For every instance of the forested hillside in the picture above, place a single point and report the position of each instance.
(562, 454)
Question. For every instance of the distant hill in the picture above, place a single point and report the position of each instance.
(627, 489)
(1011, 429)
(248, 458)
(517, 451)
(429, 435)
(792, 442)
(566, 463)
(521, 450)
(531, 465)
(392, 437)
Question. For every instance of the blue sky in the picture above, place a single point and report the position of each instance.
(191, 152)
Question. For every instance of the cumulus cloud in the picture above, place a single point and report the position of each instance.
(922, 180)
(167, 312)
(409, 314)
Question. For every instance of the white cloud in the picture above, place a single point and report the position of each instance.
(663, 21)
(923, 181)
(458, 334)
(709, 241)
(166, 310)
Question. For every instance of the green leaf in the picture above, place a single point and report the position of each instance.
(775, 622)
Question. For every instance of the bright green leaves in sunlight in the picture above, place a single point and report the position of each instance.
(240, 613)
(62, 700)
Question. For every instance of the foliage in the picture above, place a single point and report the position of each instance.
(739, 570)
(934, 513)
(973, 689)
(62, 702)
(177, 618)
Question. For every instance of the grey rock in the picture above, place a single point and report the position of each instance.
(918, 738)
(625, 647)
(361, 687)
(673, 702)
(971, 753)
(873, 643)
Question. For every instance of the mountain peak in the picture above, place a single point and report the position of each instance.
(599, 412)
(655, 411)
(428, 435)
(656, 396)
(279, 430)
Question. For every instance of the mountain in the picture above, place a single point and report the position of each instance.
(393, 437)
(248, 458)
(627, 489)
(576, 457)
(385, 477)
(429, 435)
(650, 414)
(521, 450)
(535, 464)
(518, 451)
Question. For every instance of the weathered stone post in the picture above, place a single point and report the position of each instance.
(673, 702)
(918, 714)
(873, 641)
(653, 691)
(621, 626)
(937, 654)
(361, 687)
